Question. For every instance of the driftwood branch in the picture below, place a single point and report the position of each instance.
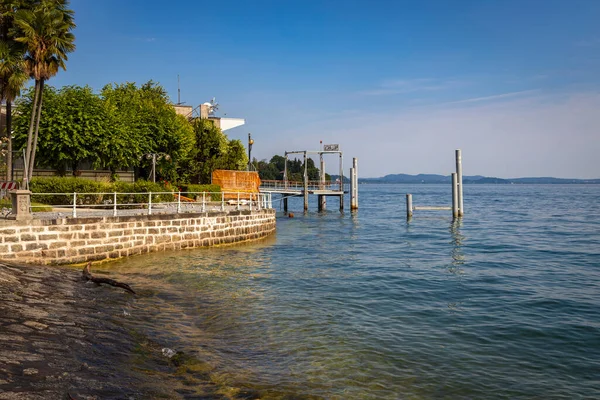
(89, 277)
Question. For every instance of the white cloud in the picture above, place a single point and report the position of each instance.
(401, 86)
(494, 97)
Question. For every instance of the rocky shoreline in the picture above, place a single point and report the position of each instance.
(63, 338)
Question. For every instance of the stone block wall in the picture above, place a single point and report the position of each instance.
(77, 240)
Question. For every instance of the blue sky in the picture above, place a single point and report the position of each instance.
(397, 84)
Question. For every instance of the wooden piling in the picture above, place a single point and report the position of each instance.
(285, 204)
(459, 178)
(409, 206)
(454, 195)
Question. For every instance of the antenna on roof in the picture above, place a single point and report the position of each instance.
(178, 91)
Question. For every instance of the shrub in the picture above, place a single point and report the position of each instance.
(70, 185)
(67, 185)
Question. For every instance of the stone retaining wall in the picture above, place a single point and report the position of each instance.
(77, 240)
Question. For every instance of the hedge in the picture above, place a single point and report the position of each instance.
(69, 185)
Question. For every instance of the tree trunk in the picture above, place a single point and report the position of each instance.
(30, 135)
(37, 129)
(9, 158)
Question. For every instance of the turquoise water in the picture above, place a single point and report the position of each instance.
(504, 304)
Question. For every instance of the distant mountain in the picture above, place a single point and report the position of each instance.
(472, 179)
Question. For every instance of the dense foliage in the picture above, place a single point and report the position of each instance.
(142, 121)
(72, 126)
(212, 151)
(120, 128)
(274, 169)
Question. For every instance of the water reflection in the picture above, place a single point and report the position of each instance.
(458, 258)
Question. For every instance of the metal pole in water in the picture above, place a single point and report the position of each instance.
(305, 184)
(354, 185)
(341, 182)
(409, 206)
(459, 178)
(454, 195)
(285, 175)
(351, 188)
(322, 199)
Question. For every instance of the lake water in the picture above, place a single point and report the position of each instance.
(503, 304)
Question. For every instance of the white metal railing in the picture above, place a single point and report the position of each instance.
(274, 185)
(150, 202)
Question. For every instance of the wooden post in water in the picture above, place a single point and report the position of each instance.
(459, 178)
(354, 185)
(409, 206)
(454, 195)
(285, 204)
(322, 199)
(305, 183)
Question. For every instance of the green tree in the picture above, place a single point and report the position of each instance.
(267, 170)
(44, 28)
(142, 121)
(209, 152)
(73, 124)
(12, 71)
(274, 169)
(235, 159)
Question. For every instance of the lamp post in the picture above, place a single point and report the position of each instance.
(250, 143)
(156, 157)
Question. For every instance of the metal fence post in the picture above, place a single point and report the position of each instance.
(149, 203)
(114, 204)
(178, 202)
(238, 202)
(203, 201)
(222, 201)
(74, 205)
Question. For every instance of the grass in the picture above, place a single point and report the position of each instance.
(38, 207)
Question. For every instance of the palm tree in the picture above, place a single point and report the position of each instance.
(12, 80)
(12, 70)
(45, 31)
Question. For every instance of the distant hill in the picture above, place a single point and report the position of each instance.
(472, 179)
